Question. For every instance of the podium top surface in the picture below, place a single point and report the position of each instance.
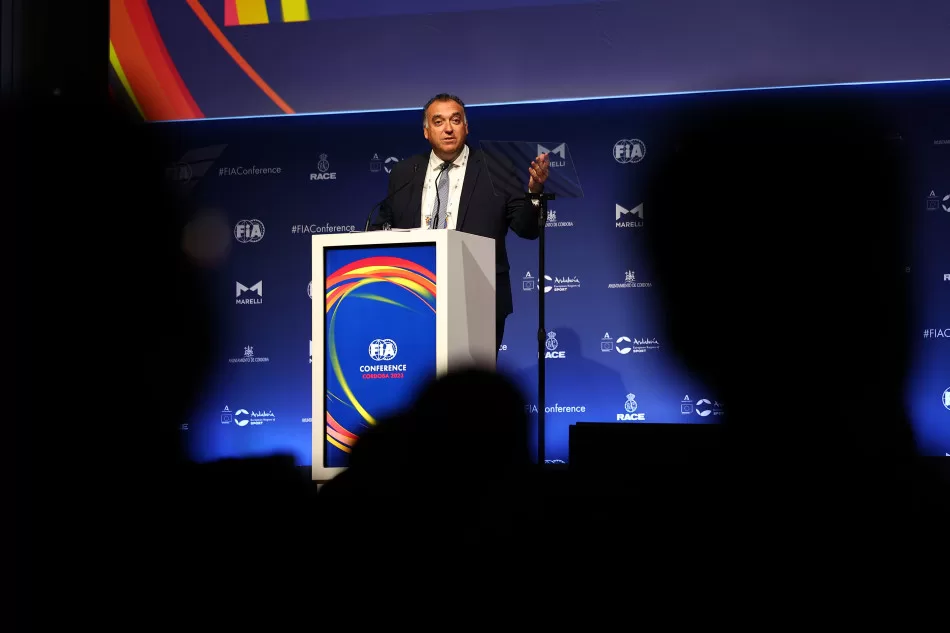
(441, 237)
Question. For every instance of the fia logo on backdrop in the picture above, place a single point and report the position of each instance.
(249, 231)
(323, 170)
(551, 346)
(629, 151)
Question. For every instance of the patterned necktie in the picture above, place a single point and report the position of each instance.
(442, 197)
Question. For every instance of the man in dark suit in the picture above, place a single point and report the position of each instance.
(451, 189)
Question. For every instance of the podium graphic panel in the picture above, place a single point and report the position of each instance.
(379, 337)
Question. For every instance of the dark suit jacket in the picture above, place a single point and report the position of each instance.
(480, 212)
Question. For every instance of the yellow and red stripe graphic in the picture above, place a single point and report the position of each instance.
(236, 56)
(145, 69)
(143, 65)
(247, 12)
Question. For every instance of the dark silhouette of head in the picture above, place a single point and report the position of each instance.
(133, 317)
(471, 421)
(468, 425)
(777, 239)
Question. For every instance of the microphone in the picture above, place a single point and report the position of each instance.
(369, 218)
(438, 204)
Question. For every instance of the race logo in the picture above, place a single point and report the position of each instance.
(323, 170)
(551, 346)
(630, 407)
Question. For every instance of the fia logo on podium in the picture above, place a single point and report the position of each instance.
(383, 349)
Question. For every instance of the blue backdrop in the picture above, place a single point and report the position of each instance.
(278, 181)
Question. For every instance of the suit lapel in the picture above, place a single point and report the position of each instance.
(472, 171)
(413, 213)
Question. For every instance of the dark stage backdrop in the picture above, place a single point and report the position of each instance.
(272, 183)
(184, 59)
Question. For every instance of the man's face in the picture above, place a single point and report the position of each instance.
(447, 129)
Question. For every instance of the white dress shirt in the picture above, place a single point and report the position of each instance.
(456, 174)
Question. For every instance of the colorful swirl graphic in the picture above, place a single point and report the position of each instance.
(145, 75)
(354, 280)
(142, 66)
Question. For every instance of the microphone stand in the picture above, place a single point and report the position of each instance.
(542, 199)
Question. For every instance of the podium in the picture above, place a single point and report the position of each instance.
(391, 311)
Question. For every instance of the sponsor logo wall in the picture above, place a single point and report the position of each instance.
(278, 182)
